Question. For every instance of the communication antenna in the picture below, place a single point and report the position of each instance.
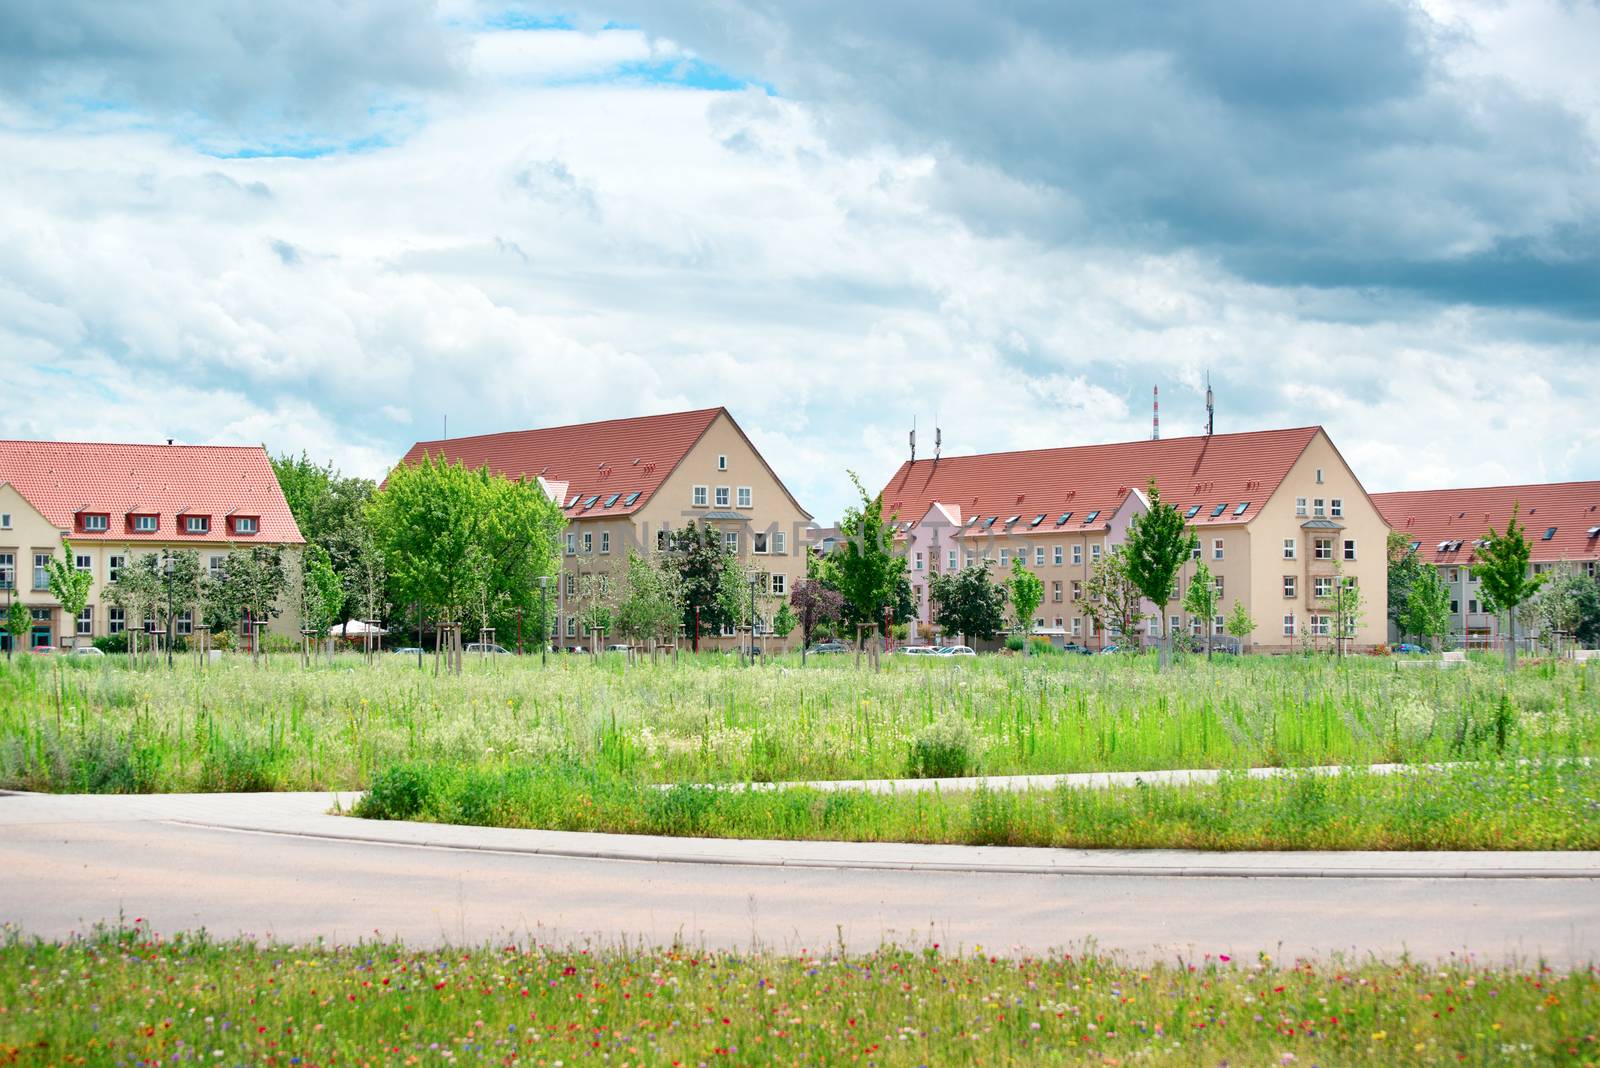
(938, 441)
(1211, 411)
(1155, 415)
(913, 439)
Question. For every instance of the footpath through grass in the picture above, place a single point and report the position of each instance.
(126, 998)
(101, 725)
(1470, 807)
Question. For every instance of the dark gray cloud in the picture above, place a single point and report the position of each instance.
(239, 65)
(1298, 144)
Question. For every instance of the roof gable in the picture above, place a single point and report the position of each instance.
(1447, 516)
(1231, 469)
(63, 478)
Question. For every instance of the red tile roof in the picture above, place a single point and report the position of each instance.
(1231, 469)
(1433, 517)
(614, 458)
(63, 478)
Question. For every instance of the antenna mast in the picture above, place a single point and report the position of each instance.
(913, 439)
(1211, 415)
(1155, 415)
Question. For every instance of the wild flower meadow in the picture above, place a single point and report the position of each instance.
(127, 997)
(100, 725)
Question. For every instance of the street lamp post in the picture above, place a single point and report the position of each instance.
(544, 618)
(9, 585)
(752, 621)
(169, 570)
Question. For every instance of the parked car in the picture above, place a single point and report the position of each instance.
(87, 650)
(1075, 648)
(917, 650)
(488, 649)
(42, 650)
(829, 647)
(409, 650)
(955, 650)
(1108, 650)
(618, 648)
(1407, 647)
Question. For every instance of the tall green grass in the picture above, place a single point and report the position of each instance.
(101, 725)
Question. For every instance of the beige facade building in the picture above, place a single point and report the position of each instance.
(1277, 512)
(627, 483)
(111, 503)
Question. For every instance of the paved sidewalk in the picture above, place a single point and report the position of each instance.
(311, 815)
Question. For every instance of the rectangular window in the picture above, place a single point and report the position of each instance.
(1289, 548)
(1319, 476)
(1077, 626)
(952, 560)
(572, 626)
(244, 524)
(145, 524)
(572, 585)
(1455, 575)
(1038, 556)
(1055, 591)
(1077, 590)
(1316, 507)
(1320, 627)
(1336, 507)
(216, 564)
(605, 541)
(588, 541)
(83, 561)
(1094, 554)
(116, 621)
(1324, 549)
(780, 542)
(1472, 605)
(1218, 625)
(1005, 556)
(916, 559)
(96, 522)
(1077, 555)
(1455, 607)
(86, 620)
(780, 584)
(1195, 553)
(1174, 625)
(186, 622)
(702, 496)
(744, 497)
(5, 520)
(41, 571)
(1322, 587)
(758, 544)
(722, 462)
(730, 540)
(661, 541)
(1349, 548)
(572, 543)
(722, 496)
(196, 524)
(971, 558)
(114, 565)
(8, 570)
(1056, 555)
(1300, 506)
(1217, 583)
(1216, 549)
(1288, 624)
(1290, 586)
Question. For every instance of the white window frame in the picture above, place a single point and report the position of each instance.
(1288, 624)
(41, 570)
(8, 569)
(146, 524)
(116, 620)
(1218, 625)
(1291, 586)
(1077, 626)
(215, 565)
(115, 562)
(5, 520)
(1321, 625)
(1300, 506)
(1336, 507)
(1077, 555)
(1291, 548)
(780, 543)
(245, 524)
(722, 462)
(730, 541)
(701, 497)
(758, 542)
(605, 541)
(1005, 556)
(96, 522)
(572, 543)
(955, 560)
(721, 497)
(185, 622)
(744, 496)
(588, 542)
(1319, 476)
(1318, 508)
(916, 560)
(196, 524)
(1057, 554)
(85, 622)
(779, 584)
(1349, 548)
(1094, 554)
(1038, 556)
(83, 562)
(1322, 549)
(1322, 587)
(1216, 548)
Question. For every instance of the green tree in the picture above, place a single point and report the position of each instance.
(136, 591)
(1241, 624)
(330, 510)
(1588, 630)
(1405, 568)
(968, 603)
(453, 539)
(815, 603)
(1112, 599)
(69, 586)
(1504, 578)
(1201, 600)
(1158, 543)
(651, 608)
(323, 596)
(1561, 607)
(1346, 605)
(865, 569)
(700, 558)
(1026, 591)
(250, 588)
(19, 623)
(783, 621)
(1427, 609)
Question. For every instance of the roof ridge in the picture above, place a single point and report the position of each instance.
(1111, 444)
(1506, 486)
(573, 426)
(128, 444)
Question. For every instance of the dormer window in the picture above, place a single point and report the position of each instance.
(246, 524)
(95, 522)
(146, 524)
(196, 524)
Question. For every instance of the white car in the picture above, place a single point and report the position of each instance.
(918, 650)
(87, 650)
(955, 650)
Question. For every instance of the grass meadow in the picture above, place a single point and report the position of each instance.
(126, 997)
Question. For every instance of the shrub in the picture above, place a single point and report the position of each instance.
(941, 750)
(398, 793)
(112, 643)
(1014, 642)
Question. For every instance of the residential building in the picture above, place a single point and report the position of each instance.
(1445, 526)
(1277, 512)
(112, 502)
(627, 483)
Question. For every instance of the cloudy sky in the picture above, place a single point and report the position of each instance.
(328, 227)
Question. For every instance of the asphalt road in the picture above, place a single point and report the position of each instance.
(67, 863)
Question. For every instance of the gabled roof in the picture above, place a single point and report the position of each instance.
(1230, 469)
(63, 478)
(1434, 517)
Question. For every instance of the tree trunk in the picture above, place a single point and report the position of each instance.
(1511, 640)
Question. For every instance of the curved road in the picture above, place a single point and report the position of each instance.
(280, 865)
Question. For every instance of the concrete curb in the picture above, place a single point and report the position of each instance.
(736, 853)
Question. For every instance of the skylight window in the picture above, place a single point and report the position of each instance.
(1242, 508)
(1415, 546)
(1013, 519)
(1594, 532)
(1064, 517)
(1549, 533)
(632, 497)
(1219, 509)
(590, 502)
(1092, 516)
(974, 520)
(611, 500)
(1194, 510)
(1444, 546)
(1037, 520)
(574, 499)
(989, 522)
